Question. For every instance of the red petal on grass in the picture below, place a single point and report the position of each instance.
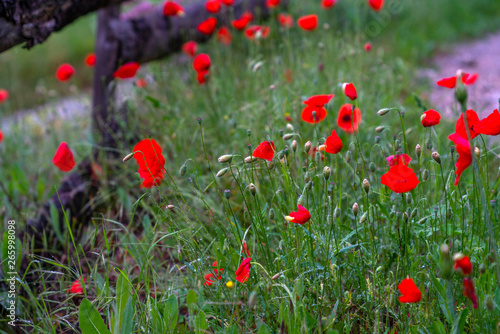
(63, 159)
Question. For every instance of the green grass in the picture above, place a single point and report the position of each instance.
(335, 273)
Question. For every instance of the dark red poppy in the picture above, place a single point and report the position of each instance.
(430, 118)
(368, 47)
(462, 263)
(464, 154)
(490, 125)
(243, 272)
(285, 20)
(201, 62)
(350, 91)
(172, 9)
(257, 32)
(400, 179)
(228, 2)
(272, 3)
(376, 5)
(208, 26)
(308, 22)
(212, 6)
(347, 119)
(63, 159)
(451, 82)
(4, 95)
(148, 155)
(301, 217)
(127, 70)
(333, 144)
(190, 48)
(410, 292)
(76, 287)
(243, 21)
(65, 72)
(328, 3)
(141, 83)
(470, 291)
(472, 120)
(265, 151)
(316, 104)
(224, 36)
(90, 60)
(398, 159)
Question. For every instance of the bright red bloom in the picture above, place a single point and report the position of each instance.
(148, 155)
(399, 159)
(376, 5)
(430, 118)
(212, 6)
(300, 217)
(141, 83)
(209, 279)
(224, 36)
(470, 291)
(65, 72)
(228, 2)
(490, 125)
(257, 32)
(400, 179)
(368, 47)
(465, 156)
(243, 272)
(1, 136)
(90, 60)
(410, 292)
(127, 70)
(350, 91)
(202, 77)
(272, 3)
(451, 82)
(63, 159)
(243, 21)
(265, 151)
(208, 26)
(316, 104)
(347, 120)
(4, 95)
(448, 82)
(76, 287)
(172, 9)
(308, 22)
(333, 144)
(285, 20)
(328, 3)
(201, 62)
(463, 263)
(472, 121)
(190, 48)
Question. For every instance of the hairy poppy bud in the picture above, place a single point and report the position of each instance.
(436, 157)
(452, 149)
(363, 217)
(348, 156)
(477, 152)
(336, 213)
(355, 209)
(280, 133)
(406, 217)
(294, 146)
(301, 200)
(307, 146)
(366, 186)
(409, 198)
(289, 127)
(270, 164)
(488, 302)
(461, 92)
(307, 177)
(355, 185)
(425, 175)
(372, 167)
(275, 277)
(272, 214)
(182, 170)
(326, 172)
(170, 207)
(252, 189)
(252, 299)
(317, 157)
(128, 157)
(482, 268)
(199, 120)
(227, 193)
(414, 213)
(250, 159)
(225, 158)
(418, 150)
(288, 136)
(380, 128)
(377, 139)
(383, 112)
(249, 132)
(222, 172)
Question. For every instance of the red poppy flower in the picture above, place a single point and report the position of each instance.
(490, 125)
(300, 217)
(376, 5)
(464, 154)
(265, 151)
(430, 118)
(272, 3)
(451, 82)
(212, 6)
(316, 104)
(209, 279)
(208, 26)
(228, 2)
(4, 95)
(462, 263)
(243, 272)
(224, 36)
(350, 91)
(127, 70)
(63, 159)
(190, 48)
(410, 292)
(1, 136)
(257, 32)
(368, 47)
(470, 291)
(148, 155)
(328, 3)
(285, 20)
(347, 120)
(201, 62)
(218, 271)
(243, 21)
(400, 179)
(399, 159)
(202, 77)
(172, 9)
(141, 83)
(90, 60)
(65, 72)
(333, 144)
(76, 287)
(472, 121)
(308, 22)
(245, 249)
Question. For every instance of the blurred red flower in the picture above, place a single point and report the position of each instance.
(272, 3)
(265, 151)
(350, 91)
(400, 179)
(201, 62)
(228, 2)
(462, 263)
(333, 144)
(470, 291)
(224, 36)
(65, 72)
(410, 292)
(208, 26)
(451, 82)
(243, 272)
(76, 287)
(127, 70)
(257, 32)
(285, 20)
(243, 21)
(472, 120)
(328, 3)
(430, 118)
(210, 278)
(148, 155)
(4, 95)
(308, 22)
(376, 5)
(90, 60)
(347, 120)
(63, 159)
(368, 47)
(141, 83)
(1, 136)
(464, 154)
(398, 159)
(172, 9)
(301, 217)
(316, 104)
(212, 6)
(488, 126)
(202, 77)
(190, 48)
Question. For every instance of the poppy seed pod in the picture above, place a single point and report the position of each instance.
(227, 193)
(366, 186)
(326, 172)
(294, 146)
(477, 152)
(225, 158)
(128, 157)
(182, 170)
(222, 172)
(436, 157)
(383, 112)
(252, 189)
(355, 209)
(380, 128)
(307, 146)
(418, 150)
(288, 136)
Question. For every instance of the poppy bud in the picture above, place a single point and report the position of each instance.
(336, 213)
(493, 203)
(289, 127)
(461, 92)
(380, 128)
(270, 164)
(355, 209)
(363, 217)
(482, 268)
(326, 172)
(227, 193)
(309, 185)
(452, 149)
(275, 277)
(128, 157)
(348, 156)
(418, 150)
(301, 200)
(317, 157)
(249, 132)
(429, 144)
(377, 139)
(436, 157)
(170, 207)
(372, 167)
(406, 217)
(288, 136)
(199, 120)
(225, 158)
(307, 146)
(222, 172)
(425, 175)
(408, 198)
(383, 112)
(272, 214)
(488, 302)
(477, 152)
(250, 159)
(414, 213)
(182, 170)
(252, 189)
(355, 185)
(252, 299)
(366, 186)
(294, 146)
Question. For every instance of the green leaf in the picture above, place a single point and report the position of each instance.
(122, 299)
(201, 323)
(263, 329)
(90, 320)
(128, 317)
(438, 327)
(191, 297)
(171, 312)
(54, 221)
(458, 327)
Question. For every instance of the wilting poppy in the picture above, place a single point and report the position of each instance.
(4, 95)
(228, 2)
(90, 60)
(127, 70)
(63, 159)
(328, 3)
(308, 22)
(350, 91)
(347, 119)
(272, 3)
(451, 82)
(301, 217)
(430, 118)
(462, 263)
(472, 120)
(368, 47)
(398, 159)
(245, 249)
(212, 6)
(76, 287)
(376, 5)
(257, 32)
(208, 26)
(224, 36)
(400, 179)
(65, 72)
(141, 83)
(285, 20)
(190, 48)
(243, 272)
(333, 144)
(490, 125)
(464, 154)
(172, 9)
(265, 151)
(470, 291)
(148, 155)
(201, 62)
(316, 104)
(410, 292)
(243, 21)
